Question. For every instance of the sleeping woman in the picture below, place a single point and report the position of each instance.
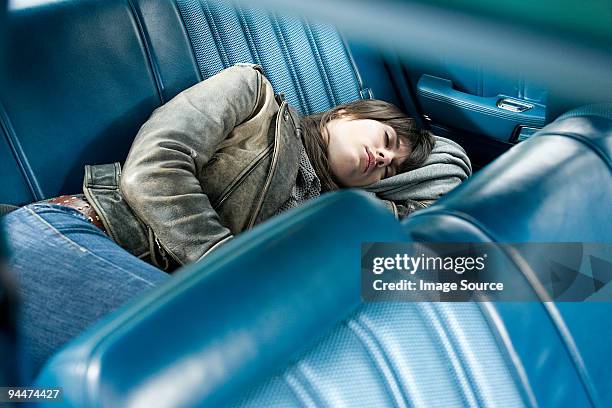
(216, 160)
(227, 154)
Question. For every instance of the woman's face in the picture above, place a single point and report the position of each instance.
(363, 151)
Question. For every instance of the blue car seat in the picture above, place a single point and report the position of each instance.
(274, 318)
(554, 188)
(78, 95)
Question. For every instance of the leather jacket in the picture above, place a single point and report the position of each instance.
(219, 158)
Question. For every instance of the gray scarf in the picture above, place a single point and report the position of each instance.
(445, 168)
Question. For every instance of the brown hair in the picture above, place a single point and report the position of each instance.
(420, 141)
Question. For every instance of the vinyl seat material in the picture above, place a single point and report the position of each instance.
(555, 187)
(274, 318)
(78, 95)
(317, 344)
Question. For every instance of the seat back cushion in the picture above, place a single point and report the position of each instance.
(555, 187)
(83, 76)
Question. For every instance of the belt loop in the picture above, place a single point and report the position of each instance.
(117, 174)
(87, 178)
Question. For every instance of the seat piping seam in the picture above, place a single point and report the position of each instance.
(247, 33)
(297, 380)
(294, 78)
(462, 377)
(145, 40)
(215, 32)
(349, 54)
(320, 63)
(19, 155)
(190, 40)
(497, 326)
(504, 354)
(308, 385)
(382, 364)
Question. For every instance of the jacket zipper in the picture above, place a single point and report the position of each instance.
(164, 253)
(266, 186)
(230, 189)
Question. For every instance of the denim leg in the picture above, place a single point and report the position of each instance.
(69, 275)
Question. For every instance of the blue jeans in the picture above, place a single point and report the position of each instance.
(69, 275)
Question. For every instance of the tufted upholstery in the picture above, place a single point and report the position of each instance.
(75, 99)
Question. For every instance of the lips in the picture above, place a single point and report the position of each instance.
(369, 160)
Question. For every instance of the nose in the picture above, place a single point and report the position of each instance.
(383, 158)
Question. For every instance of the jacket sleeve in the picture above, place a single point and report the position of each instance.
(160, 176)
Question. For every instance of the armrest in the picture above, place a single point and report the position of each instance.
(496, 116)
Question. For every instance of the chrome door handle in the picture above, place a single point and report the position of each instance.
(513, 105)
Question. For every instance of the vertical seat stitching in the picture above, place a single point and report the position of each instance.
(293, 382)
(320, 63)
(504, 342)
(247, 32)
(178, 3)
(185, 6)
(215, 32)
(377, 354)
(295, 79)
(152, 61)
(470, 396)
(22, 161)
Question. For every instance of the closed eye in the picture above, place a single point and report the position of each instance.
(387, 145)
